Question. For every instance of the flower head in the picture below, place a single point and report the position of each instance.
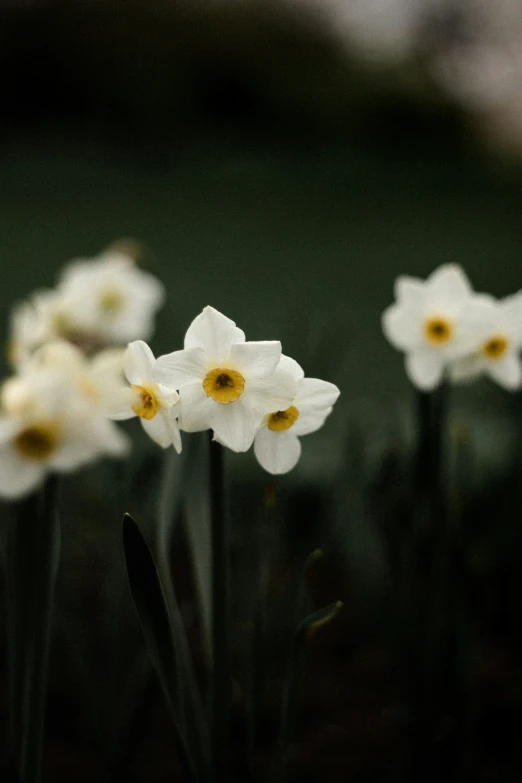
(277, 445)
(496, 329)
(225, 384)
(48, 424)
(112, 296)
(155, 404)
(426, 322)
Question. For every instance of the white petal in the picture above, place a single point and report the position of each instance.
(256, 360)
(467, 369)
(138, 362)
(158, 429)
(181, 368)
(449, 283)
(290, 366)
(116, 403)
(213, 332)
(310, 420)
(277, 452)
(511, 313)
(401, 327)
(235, 426)
(409, 291)
(172, 422)
(507, 372)
(275, 393)
(18, 477)
(196, 409)
(312, 391)
(87, 440)
(425, 369)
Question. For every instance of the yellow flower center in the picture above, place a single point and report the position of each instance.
(223, 385)
(145, 403)
(37, 442)
(111, 301)
(438, 330)
(495, 347)
(282, 420)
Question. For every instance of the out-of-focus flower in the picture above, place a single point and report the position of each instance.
(47, 424)
(156, 405)
(277, 445)
(98, 303)
(426, 322)
(496, 327)
(225, 383)
(111, 296)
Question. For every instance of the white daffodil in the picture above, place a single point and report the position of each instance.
(111, 296)
(156, 404)
(46, 425)
(225, 384)
(426, 323)
(496, 329)
(277, 445)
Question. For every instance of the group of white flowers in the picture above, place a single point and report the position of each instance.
(449, 332)
(74, 377)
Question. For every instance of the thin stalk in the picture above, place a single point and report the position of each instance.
(45, 554)
(220, 683)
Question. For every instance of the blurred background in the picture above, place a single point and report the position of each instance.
(284, 161)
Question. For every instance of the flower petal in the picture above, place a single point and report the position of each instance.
(275, 393)
(196, 409)
(235, 426)
(409, 291)
(467, 369)
(138, 362)
(18, 477)
(400, 325)
(172, 423)
(312, 391)
(425, 369)
(277, 452)
(290, 366)
(256, 359)
(116, 403)
(507, 372)
(214, 332)
(158, 429)
(181, 368)
(449, 283)
(310, 420)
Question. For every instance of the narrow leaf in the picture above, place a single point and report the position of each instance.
(153, 613)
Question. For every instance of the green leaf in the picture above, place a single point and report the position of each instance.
(153, 613)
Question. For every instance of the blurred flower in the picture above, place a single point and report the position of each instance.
(225, 383)
(426, 323)
(496, 327)
(277, 445)
(111, 296)
(48, 424)
(98, 303)
(155, 404)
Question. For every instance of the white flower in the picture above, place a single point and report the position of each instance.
(225, 383)
(155, 404)
(111, 296)
(277, 445)
(46, 424)
(426, 323)
(496, 328)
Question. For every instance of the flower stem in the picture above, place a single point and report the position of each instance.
(220, 684)
(44, 553)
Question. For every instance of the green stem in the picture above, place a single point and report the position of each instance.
(44, 548)
(220, 685)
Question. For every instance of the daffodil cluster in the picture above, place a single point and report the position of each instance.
(66, 347)
(97, 303)
(447, 331)
(245, 392)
